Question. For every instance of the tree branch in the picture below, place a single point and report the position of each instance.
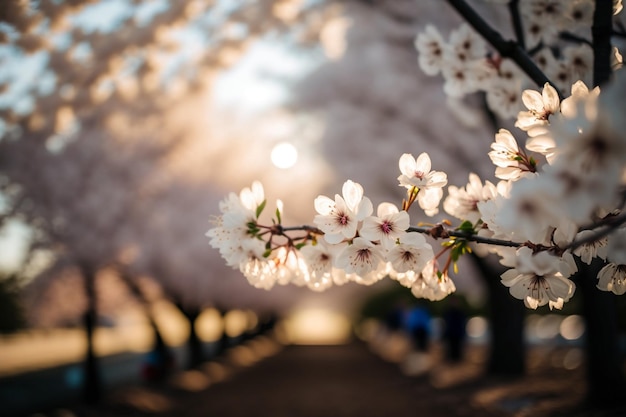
(508, 49)
(601, 41)
(439, 233)
(608, 225)
(516, 19)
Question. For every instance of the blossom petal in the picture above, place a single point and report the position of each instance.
(407, 165)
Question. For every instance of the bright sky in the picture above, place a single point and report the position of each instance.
(258, 82)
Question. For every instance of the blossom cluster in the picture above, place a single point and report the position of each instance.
(348, 243)
(558, 197)
(467, 66)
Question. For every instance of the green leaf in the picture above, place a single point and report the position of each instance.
(267, 253)
(260, 208)
(278, 216)
(300, 245)
(466, 227)
(448, 243)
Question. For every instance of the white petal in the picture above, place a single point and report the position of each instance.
(324, 205)
(407, 165)
(352, 193)
(532, 100)
(422, 163)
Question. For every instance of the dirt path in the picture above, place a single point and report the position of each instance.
(265, 379)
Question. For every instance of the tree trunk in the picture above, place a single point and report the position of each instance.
(194, 344)
(507, 350)
(605, 377)
(159, 346)
(92, 385)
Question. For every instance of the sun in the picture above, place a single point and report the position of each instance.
(284, 155)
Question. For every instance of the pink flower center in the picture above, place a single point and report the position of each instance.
(419, 174)
(386, 227)
(342, 219)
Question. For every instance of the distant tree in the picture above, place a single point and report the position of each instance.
(11, 308)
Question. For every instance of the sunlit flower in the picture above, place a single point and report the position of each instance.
(260, 271)
(612, 278)
(537, 280)
(361, 257)
(417, 173)
(252, 197)
(320, 259)
(290, 267)
(462, 203)
(505, 155)
(387, 227)
(530, 212)
(432, 284)
(588, 251)
(411, 254)
(339, 219)
(540, 106)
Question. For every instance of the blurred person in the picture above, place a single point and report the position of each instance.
(454, 333)
(418, 326)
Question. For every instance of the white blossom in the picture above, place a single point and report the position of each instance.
(588, 251)
(339, 219)
(536, 280)
(612, 278)
(387, 227)
(462, 203)
(540, 106)
(260, 272)
(410, 255)
(362, 257)
(430, 46)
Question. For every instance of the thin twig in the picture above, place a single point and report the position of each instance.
(568, 36)
(517, 23)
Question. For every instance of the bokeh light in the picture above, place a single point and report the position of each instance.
(284, 155)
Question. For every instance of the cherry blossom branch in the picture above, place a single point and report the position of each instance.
(440, 232)
(506, 48)
(603, 228)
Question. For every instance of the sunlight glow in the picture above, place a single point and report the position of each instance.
(284, 155)
(317, 327)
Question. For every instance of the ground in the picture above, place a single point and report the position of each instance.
(361, 379)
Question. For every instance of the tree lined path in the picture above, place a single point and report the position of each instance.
(350, 380)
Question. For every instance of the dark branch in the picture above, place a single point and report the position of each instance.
(517, 23)
(431, 231)
(601, 34)
(567, 36)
